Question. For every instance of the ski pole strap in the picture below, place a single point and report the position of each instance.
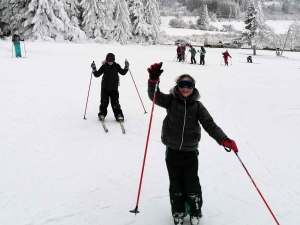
(227, 149)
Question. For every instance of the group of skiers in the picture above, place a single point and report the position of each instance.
(181, 56)
(180, 134)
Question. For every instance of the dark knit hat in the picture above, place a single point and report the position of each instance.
(110, 57)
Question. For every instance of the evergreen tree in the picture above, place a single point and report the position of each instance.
(72, 8)
(203, 20)
(47, 19)
(251, 28)
(265, 34)
(109, 23)
(230, 16)
(122, 31)
(14, 15)
(152, 17)
(140, 29)
(5, 15)
(260, 13)
(91, 15)
(74, 12)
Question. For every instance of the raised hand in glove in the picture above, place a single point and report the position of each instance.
(228, 143)
(93, 65)
(155, 71)
(126, 65)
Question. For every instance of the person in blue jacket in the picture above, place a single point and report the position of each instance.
(202, 56)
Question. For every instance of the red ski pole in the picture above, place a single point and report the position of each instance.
(145, 153)
(256, 188)
(137, 91)
(87, 99)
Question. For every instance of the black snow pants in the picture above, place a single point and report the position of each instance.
(193, 60)
(202, 61)
(184, 181)
(113, 95)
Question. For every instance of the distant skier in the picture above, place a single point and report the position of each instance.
(181, 134)
(109, 86)
(193, 54)
(183, 48)
(225, 56)
(179, 53)
(202, 55)
(16, 40)
(249, 59)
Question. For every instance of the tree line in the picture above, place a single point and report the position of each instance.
(103, 21)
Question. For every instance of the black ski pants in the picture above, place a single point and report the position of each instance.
(202, 61)
(179, 57)
(193, 60)
(113, 95)
(184, 181)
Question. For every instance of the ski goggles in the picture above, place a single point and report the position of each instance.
(186, 84)
(110, 59)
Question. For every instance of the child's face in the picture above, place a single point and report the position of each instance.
(185, 91)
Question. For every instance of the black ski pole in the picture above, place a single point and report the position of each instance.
(12, 49)
(137, 90)
(228, 150)
(175, 58)
(135, 210)
(87, 99)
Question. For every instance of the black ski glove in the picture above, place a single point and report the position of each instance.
(93, 65)
(126, 65)
(155, 71)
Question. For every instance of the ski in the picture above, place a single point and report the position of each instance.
(122, 126)
(250, 63)
(101, 118)
(104, 126)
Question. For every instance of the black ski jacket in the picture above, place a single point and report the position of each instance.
(110, 78)
(16, 39)
(181, 129)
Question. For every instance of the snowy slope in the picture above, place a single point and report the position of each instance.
(58, 169)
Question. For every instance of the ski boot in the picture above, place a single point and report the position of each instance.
(178, 218)
(195, 220)
(120, 118)
(101, 117)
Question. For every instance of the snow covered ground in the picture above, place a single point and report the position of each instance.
(58, 169)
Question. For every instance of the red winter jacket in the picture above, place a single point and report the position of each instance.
(179, 50)
(225, 55)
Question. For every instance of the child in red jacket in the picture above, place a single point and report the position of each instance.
(225, 56)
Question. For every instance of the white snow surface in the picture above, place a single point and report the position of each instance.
(58, 169)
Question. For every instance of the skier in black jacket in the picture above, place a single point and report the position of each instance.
(181, 134)
(109, 86)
